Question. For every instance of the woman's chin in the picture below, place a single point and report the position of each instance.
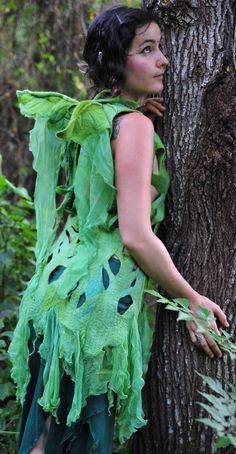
(157, 87)
(155, 90)
(158, 84)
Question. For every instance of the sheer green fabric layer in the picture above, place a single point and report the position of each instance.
(89, 330)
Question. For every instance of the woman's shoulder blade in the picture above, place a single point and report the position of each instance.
(133, 123)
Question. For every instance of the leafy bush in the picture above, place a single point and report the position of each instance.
(17, 239)
(222, 411)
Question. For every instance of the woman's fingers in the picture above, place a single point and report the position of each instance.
(156, 102)
(215, 328)
(213, 345)
(203, 341)
(157, 99)
(205, 347)
(152, 108)
(153, 105)
(211, 306)
(220, 315)
(200, 342)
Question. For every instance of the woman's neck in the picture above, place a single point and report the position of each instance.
(131, 96)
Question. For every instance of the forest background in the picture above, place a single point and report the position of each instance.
(41, 46)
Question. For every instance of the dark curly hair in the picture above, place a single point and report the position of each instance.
(108, 40)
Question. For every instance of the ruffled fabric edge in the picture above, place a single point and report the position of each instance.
(123, 376)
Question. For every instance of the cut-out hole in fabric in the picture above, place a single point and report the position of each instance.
(81, 301)
(133, 283)
(105, 278)
(60, 246)
(56, 273)
(50, 258)
(68, 236)
(73, 289)
(75, 230)
(124, 303)
(114, 263)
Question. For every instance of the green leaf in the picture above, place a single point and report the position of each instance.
(22, 192)
(231, 386)
(208, 422)
(7, 334)
(216, 401)
(222, 442)
(2, 343)
(232, 438)
(5, 257)
(4, 356)
(5, 390)
(3, 183)
(214, 413)
(214, 384)
(182, 302)
(8, 432)
(204, 313)
(159, 298)
(183, 316)
(201, 329)
(227, 335)
(172, 308)
(151, 292)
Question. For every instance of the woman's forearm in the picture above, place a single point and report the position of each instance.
(153, 258)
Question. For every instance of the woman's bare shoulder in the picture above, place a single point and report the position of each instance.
(131, 122)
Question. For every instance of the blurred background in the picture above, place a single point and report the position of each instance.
(41, 45)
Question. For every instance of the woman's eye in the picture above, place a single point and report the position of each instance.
(146, 50)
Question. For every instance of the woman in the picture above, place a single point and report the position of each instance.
(82, 342)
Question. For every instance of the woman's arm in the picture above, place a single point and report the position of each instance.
(133, 153)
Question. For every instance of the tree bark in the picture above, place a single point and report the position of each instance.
(199, 130)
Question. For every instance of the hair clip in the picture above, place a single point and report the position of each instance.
(119, 19)
(100, 56)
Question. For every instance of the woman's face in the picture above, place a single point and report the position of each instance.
(145, 63)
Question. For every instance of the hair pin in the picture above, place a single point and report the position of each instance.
(119, 19)
(100, 56)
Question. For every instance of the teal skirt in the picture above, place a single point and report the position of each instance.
(94, 428)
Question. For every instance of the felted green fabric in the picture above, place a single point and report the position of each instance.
(92, 317)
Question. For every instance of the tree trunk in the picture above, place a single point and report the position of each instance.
(199, 130)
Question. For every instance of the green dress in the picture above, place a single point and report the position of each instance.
(86, 298)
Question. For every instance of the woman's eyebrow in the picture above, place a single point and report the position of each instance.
(149, 41)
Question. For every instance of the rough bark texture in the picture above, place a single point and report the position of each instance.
(199, 131)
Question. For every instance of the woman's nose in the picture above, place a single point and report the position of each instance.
(162, 60)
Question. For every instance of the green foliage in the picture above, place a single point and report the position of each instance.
(17, 239)
(202, 320)
(222, 411)
(42, 42)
